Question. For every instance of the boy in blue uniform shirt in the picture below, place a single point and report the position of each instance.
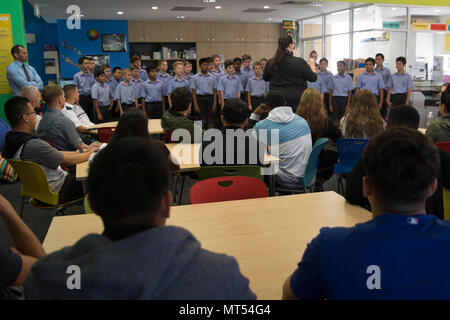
(399, 85)
(340, 92)
(256, 87)
(113, 83)
(229, 86)
(102, 98)
(125, 93)
(386, 75)
(84, 80)
(136, 61)
(247, 62)
(372, 81)
(401, 253)
(318, 84)
(204, 93)
(137, 84)
(178, 81)
(237, 63)
(188, 71)
(164, 77)
(152, 93)
(327, 80)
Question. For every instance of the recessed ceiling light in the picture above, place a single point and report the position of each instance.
(394, 9)
(218, 7)
(209, 1)
(266, 7)
(119, 12)
(437, 10)
(180, 17)
(316, 4)
(269, 19)
(154, 8)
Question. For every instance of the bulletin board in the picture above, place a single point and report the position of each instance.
(6, 43)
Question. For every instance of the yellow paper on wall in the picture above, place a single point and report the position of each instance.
(420, 26)
(6, 43)
(447, 42)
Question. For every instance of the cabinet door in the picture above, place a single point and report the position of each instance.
(170, 31)
(232, 32)
(264, 50)
(203, 31)
(136, 31)
(152, 31)
(257, 32)
(187, 32)
(218, 31)
(244, 34)
(273, 32)
(203, 49)
(233, 50)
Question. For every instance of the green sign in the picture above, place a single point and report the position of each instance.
(391, 25)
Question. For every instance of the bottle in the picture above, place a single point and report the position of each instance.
(429, 118)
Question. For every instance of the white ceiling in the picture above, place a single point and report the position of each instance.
(231, 11)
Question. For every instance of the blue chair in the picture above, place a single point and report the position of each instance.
(310, 170)
(4, 128)
(349, 153)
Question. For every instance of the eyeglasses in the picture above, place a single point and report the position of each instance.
(30, 113)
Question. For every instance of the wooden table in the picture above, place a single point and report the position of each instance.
(154, 126)
(267, 236)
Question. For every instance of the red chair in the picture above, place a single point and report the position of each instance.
(227, 189)
(105, 134)
(444, 146)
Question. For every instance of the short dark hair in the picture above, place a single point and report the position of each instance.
(81, 60)
(404, 116)
(228, 63)
(401, 164)
(127, 180)
(323, 59)
(132, 123)
(311, 53)
(51, 92)
(116, 68)
(370, 59)
(214, 56)
(209, 60)
(151, 68)
(235, 111)
(135, 58)
(16, 49)
(275, 98)
(380, 55)
(181, 98)
(246, 57)
(342, 62)
(202, 60)
(237, 59)
(445, 99)
(401, 59)
(98, 71)
(263, 59)
(15, 108)
(68, 89)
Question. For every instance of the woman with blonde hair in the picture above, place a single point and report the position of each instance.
(362, 120)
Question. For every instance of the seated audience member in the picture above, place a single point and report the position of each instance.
(313, 111)
(134, 205)
(134, 123)
(34, 97)
(362, 120)
(409, 117)
(294, 138)
(399, 254)
(21, 144)
(176, 117)
(439, 129)
(54, 127)
(15, 263)
(244, 148)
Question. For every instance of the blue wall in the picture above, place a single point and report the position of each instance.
(73, 44)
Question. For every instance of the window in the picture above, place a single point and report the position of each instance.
(337, 48)
(312, 27)
(338, 22)
(378, 17)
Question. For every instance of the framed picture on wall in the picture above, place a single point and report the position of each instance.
(100, 59)
(114, 42)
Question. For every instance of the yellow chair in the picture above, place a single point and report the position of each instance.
(35, 187)
(446, 196)
(87, 206)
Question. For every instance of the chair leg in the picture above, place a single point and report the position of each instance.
(181, 192)
(55, 211)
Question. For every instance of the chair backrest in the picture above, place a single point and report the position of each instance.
(349, 152)
(168, 136)
(87, 206)
(446, 199)
(227, 171)
(444, 146)
(228, 188)
(34, 181)
(4, 128)
(105, 134)
(313, 161)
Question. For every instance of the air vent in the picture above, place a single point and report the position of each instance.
(193, 9)
(296, 3)
(257, 10)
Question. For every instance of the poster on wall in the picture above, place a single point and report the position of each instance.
(114, 42)
(291, 28)
(100, 59)
(6, 43)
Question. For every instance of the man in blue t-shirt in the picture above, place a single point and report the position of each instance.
(401, 253)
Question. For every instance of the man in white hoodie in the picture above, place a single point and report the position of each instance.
(294, 143)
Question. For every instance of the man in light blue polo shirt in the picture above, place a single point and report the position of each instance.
(340, 92)
(20, 74)
(372, 81)
(401, 253)
(385, 73)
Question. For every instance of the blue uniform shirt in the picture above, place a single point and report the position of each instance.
(112, 83)
(143, 75)
(125, 93)
(318, 84)
(373, 82)
(137, 87)
(84, 82)
(204, 84)
(230, 86)
(249, 73)
(218, 74)
(341, 85)
(165, 82)
(101, 93)
(400, 83)
(257, 87)
(385, 73)
(17, 78)
(243, 77)
(152, 91)
(175, 83)
(327, 80)
(410, 253)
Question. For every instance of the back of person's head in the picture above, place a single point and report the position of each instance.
(363, 116)
(445, 100)
(15, 108)
(98, 71)
(401, 164)
(51, 93)
(69, 89)
(275, 99)
(235, 111)
(127, 182)
(29, 91)
(404, 116)
(283, 43)
(312, 110)
(181, 99)
(228, 63)
(132, 123)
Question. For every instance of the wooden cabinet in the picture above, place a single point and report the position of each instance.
(136, 31)
(152, 31)
(218, 31)
(273, 32)
(187, 32)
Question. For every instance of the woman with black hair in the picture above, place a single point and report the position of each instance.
(289, 74)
